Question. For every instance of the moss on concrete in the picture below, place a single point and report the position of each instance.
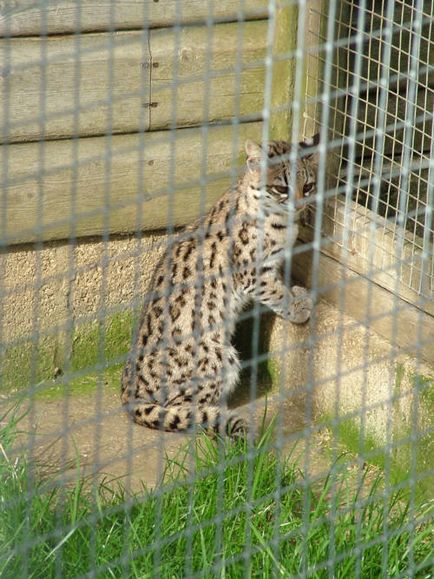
(94, 346)
(27, 363)
(348, 432)
(82, 385)
(399, 377)
(102, 341)
(425, 387)
(273, 371)
(396, 461)
(410, 458)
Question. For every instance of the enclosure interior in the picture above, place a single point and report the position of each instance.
(124, 123)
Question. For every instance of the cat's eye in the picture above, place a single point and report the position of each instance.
(281, 190)
(308, 188)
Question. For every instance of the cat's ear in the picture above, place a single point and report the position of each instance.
(254, 154)
(311, 143)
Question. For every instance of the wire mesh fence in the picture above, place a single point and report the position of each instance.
(123, 123)
(382, 100)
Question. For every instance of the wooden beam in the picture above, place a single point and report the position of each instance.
(316, 32)
(65, 86)
(201, 75)
(32, 18)
(119, 185)
(126, 82)
(282, 87)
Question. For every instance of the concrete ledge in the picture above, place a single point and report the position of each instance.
(374, 399)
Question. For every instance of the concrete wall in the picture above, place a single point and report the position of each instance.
(59, 300)
(54, 296)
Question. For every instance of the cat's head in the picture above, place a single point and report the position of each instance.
(279, 183)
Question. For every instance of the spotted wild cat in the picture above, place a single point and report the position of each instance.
(182, 366)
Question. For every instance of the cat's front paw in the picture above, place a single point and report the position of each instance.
(301, 305)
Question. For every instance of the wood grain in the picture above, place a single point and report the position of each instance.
(27, 18)
(65, 86)
(120, 185)
(126, 82)
(201, 75)
(283, 71)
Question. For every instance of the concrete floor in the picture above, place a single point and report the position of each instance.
(331, 367)
(94, 432)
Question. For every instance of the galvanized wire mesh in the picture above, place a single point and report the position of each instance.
(121, 123)
(382, 101)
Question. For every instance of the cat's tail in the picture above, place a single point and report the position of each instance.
(182, 418)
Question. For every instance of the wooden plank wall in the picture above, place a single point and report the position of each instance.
(28, 18)
(87, 94)
(99, 193)
(133, 80)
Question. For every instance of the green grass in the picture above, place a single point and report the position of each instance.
(234, 511)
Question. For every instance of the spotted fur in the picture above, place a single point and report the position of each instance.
(182, 366)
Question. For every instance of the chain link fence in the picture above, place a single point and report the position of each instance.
(123, 122)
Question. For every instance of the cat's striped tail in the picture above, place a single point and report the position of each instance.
(186, 417)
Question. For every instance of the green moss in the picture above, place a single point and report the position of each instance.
(425, 386)
(28, 363)
(273, 370)
(405, 461)
(101, 341)
(415, 460)
(399, 424)
(418, 455)
(83, 385)
(347, 431)
(399, 376)
(96, 344)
